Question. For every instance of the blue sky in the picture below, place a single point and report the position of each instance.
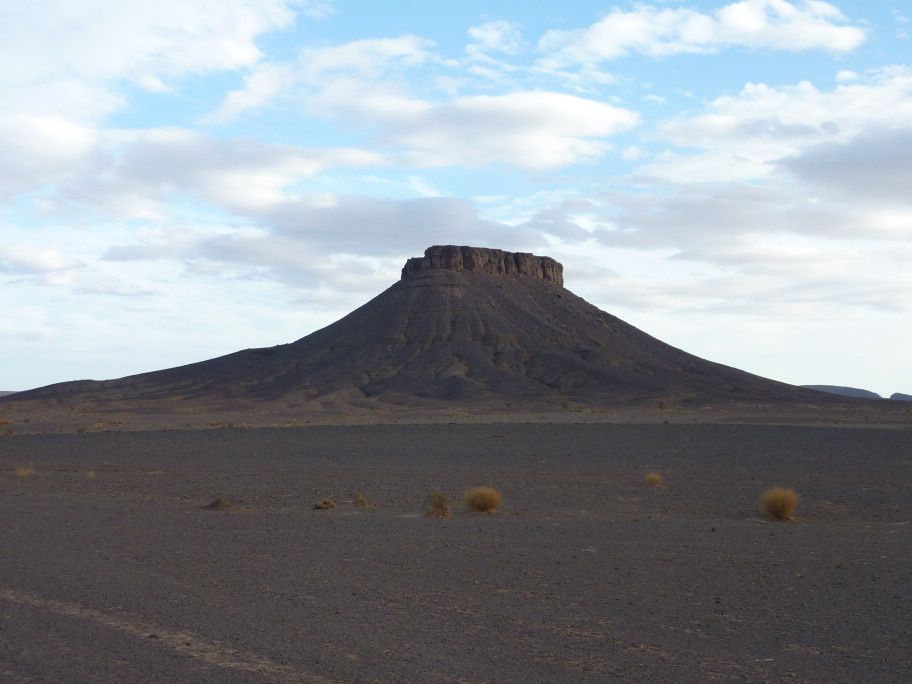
(184, 179)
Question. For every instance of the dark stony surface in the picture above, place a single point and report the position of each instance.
(109, 573)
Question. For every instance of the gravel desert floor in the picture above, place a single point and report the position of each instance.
(111, 572)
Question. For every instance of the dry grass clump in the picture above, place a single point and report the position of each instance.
(362, 501)
(781, 503)
(91, 474)
(654, 479)
(483, 499)
(25, 471)
(325, 505)
(437, 505)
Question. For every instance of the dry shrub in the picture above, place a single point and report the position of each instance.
(437, 505)
(781, 503)
(362, 501)
(483, 499)
(325, 505)
(654, 479)
(26, 471)
(90, 474)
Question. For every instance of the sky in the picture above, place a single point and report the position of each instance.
(186, 178)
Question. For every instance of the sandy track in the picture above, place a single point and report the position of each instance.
(586, 575)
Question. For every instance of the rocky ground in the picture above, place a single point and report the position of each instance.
(110, 573)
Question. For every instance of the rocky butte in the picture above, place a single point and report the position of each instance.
(482, 260)
(464, 327)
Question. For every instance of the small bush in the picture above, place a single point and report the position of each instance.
(654, 479)
(90, 474)
(483, 499)
(437, 505)
(781, 503)
(362, 501)
(325, 505)
(26, 471)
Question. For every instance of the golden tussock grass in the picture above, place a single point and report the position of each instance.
(654, 479)
(25, 471)
(483, 499)
(362, 501)
(90, 474)
(781, 503)
(325, 505)
(437, 505)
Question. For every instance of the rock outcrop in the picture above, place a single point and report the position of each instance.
(483, 260)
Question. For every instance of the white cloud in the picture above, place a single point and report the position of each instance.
(150, 167)
(743, 136)
(369, 57)
(326, 67)
(533, 129)
(662, 32)
(62, 64)
(21, 259)
(133, 39)
(261, 86)
(495, 36)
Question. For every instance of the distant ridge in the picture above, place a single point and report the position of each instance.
(465, 327)
(845, 391)
(899, 396)
(3, 394)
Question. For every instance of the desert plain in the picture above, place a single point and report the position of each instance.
(112, 570)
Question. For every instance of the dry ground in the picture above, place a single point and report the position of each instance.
(587, 574)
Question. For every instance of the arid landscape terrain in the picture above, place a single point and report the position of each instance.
(162, 526)
(110, 572)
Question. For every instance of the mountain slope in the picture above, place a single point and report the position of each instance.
(463, 325)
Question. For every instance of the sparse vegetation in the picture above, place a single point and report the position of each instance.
(90, 474)
(483, 499)
(437, 505)
(654, 479)
(362, 501)
(25, 471)
(780, 502)
(324, 505)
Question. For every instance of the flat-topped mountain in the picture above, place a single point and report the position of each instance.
(467, 325)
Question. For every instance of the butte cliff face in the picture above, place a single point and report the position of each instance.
(481, 260)
(482, 327)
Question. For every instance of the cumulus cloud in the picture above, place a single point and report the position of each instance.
(743, 136)
(532, 129)
(65, 63)
(316, 68)
(662, 31)
(133, 39)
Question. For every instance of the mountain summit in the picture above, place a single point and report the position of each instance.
(468, 325)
